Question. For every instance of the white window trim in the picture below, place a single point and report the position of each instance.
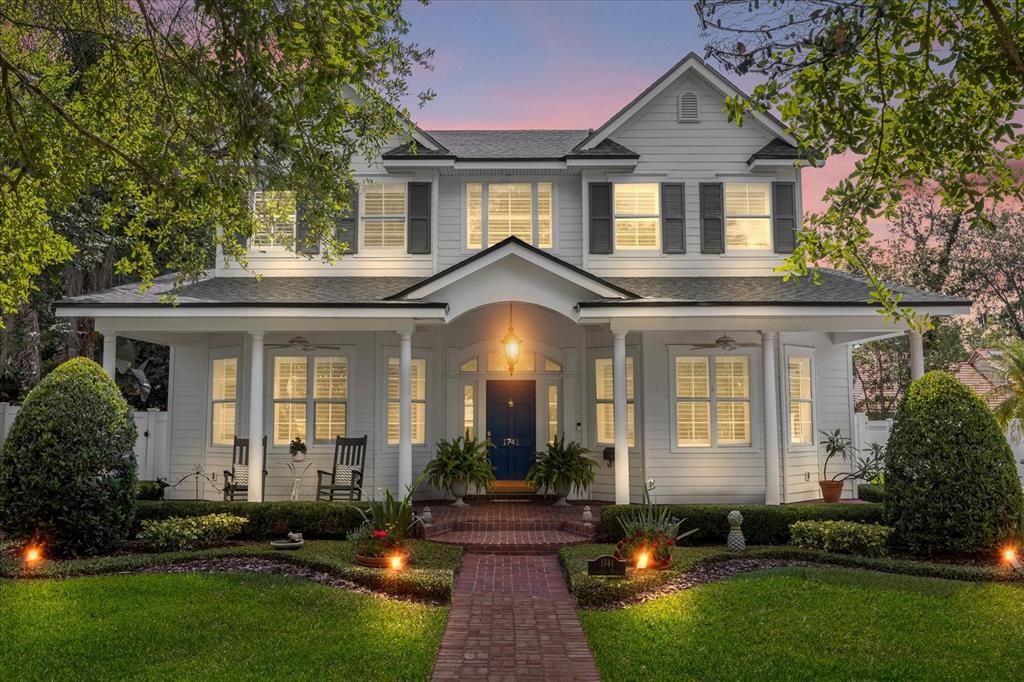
(223, 354)
(656, 250)
(390, 353)
(485, 182)
(800, 352)
(771, 219)
(269, 400)
(272, 250)
(756, 411)
(605, 353)
(378, 250)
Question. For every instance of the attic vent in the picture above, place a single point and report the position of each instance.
(689, 108)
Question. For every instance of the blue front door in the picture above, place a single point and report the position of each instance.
(512, 427)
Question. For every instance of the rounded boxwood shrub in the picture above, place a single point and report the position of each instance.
(67, 471)
(951, 484)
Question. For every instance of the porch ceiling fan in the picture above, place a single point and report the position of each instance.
(726, 343)
(303, 344)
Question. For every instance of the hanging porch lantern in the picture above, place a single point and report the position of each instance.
(512, 344)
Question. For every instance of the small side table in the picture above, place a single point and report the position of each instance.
(297, 480)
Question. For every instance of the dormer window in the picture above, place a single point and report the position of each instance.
(276, 215)
(689, 107)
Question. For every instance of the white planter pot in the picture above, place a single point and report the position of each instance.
(458, 489)
(562, 492)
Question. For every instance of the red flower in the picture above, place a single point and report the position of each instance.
(380, 533)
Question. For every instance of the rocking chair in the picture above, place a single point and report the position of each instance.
(345, 480)
(236, 481)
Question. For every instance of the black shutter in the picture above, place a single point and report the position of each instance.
(673, 217)
(419, 218)
(302, 231)
(600, 217)
(712, 218)
(784, 216)
(348, 224)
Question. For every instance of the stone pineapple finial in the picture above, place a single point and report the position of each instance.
(735, 542)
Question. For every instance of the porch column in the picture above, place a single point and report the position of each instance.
(620, 416)
(110, 353)
(256, 463)
(916, 355)
(404, 414)
(769, 353)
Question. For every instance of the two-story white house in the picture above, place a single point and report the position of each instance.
(634, 262)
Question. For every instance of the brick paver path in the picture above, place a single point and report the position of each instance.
(512, 619)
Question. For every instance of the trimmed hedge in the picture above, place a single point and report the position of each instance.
(841, 537)
(181, 533)
(762, 524)
(871, 492)
(267, 520)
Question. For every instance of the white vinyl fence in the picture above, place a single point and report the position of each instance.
(152, 448)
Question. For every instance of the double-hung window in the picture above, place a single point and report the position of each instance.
(382, 216)
(604, 394)
(325, 407)
(223, 400)
(748, 216)
(498, 210)
(276, 215)
(801, 405)
(637, 216)
(418, 377)
(712, 400)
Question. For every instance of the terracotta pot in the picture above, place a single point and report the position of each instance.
(380, 561)
(831, 491)
(458, 489)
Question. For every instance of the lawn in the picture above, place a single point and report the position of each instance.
(227, 626)
(816, 623)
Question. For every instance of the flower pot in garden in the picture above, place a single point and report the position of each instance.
(458, 489)
(831, 491)
(561, 492)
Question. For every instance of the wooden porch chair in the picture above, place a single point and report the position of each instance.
(236, 481)
(345, 480)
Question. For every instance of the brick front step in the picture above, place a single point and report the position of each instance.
(505, 541)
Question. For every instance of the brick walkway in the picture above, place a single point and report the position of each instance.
(512, 619)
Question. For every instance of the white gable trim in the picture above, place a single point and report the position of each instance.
(690, 62)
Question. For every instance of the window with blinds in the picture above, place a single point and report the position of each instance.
(418, 377)
(276, 215)
(296, 407)
(801, 405)
(496, 211)
(748, 220)
(637, 208)
(223, 400)
(712, 396)
(382, 208)
(693, 401)
(732, 391)
(604, 398)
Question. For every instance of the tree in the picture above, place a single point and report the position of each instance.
(1009, 366)
(171, 112)
(922, 92)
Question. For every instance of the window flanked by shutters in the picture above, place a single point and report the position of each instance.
(382, 216)
(637, 216)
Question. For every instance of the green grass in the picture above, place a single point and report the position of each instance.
(431, 576)
(210, 626)
(813, 623)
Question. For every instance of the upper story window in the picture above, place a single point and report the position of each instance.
(637, 216)
(748, 216)
(276, 216)
(498, 210)
(382, 216)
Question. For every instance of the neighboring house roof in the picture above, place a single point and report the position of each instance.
(498, 145)
(971, 377)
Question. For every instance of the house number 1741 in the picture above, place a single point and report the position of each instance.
(510, 440)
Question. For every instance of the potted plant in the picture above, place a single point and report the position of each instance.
(649, 534)
(459, 463)
(564, 467)
(297, 449)
(381, 541)
(835, 444)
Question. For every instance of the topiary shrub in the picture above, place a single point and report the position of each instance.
(841, 537)
(67, 471)
(951, 484)
(189, 532)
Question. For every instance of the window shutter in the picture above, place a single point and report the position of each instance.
(302, 231)
(348, 224)
(784, 216)
(712, 218)
(673, 217)
(600, 217)
(418, 240)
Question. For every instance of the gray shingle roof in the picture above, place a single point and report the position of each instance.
(776, 149)
(509, 144)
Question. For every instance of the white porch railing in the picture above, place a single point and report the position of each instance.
(152, 447)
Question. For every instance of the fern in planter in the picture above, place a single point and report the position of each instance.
(563, 468)
(459, 463)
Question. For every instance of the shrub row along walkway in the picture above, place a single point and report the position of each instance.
(512, 619)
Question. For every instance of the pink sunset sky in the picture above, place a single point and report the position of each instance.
(559, 64)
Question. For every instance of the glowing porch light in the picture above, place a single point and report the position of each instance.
(512, 344)
(643, 559)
